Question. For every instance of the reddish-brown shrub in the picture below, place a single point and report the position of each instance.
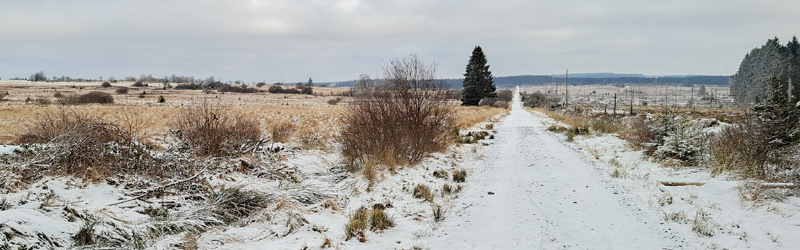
(402, 120)
(212, 130)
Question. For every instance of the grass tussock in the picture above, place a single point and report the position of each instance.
(379, 220)
(473, 137)
(460, 175)
(755, 193)
(357, 223)
(448, 189)
(85, 235)
(422, 191)
(438, 213)
(440, 174)
(232, 204)
(212, 130)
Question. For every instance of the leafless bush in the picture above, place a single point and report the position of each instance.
(640, 135)
(400, 121)
(91, 97)
(742, 149)
(212, 130)
(81, 144)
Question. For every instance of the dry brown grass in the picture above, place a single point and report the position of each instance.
(468, 116)
(306, 111)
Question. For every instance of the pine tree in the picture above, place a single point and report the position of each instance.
(702, 90)
(779, 116)
(310, 82)
(478, 82)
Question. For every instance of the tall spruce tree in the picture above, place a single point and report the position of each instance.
(478, 82)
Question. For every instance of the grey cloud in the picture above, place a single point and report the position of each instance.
(337, 40)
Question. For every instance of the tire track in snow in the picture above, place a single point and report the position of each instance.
(546, 196)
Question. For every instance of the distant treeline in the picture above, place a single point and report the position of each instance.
(511, 81)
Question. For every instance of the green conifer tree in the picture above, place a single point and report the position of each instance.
(478, 82)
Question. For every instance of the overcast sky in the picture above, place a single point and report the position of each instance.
(335, 40)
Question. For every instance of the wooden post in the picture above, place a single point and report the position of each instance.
(615, 103)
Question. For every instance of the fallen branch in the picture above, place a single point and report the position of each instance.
(151, 190)
(700, 183)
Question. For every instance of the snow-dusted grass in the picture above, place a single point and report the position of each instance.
(722, 212)
(275, 195)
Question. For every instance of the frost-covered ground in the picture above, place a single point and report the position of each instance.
(712, 216)
(597, 193)
(310, 195)
(525, 189)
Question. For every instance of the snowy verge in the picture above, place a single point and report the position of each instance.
(714, 212)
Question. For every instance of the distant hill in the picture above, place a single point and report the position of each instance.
(582, 79)
(600, 75)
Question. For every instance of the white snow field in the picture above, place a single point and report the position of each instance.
(534, 192)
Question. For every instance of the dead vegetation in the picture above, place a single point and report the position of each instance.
(127, 145)
(75, 143)
(210, 130)
(400, 121)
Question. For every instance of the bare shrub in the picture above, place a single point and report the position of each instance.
(91, 97)
(121, 90)
(212, 130)
(742, 149)
(81, 144)
(402, 120)
(134, 122)
(639, 134)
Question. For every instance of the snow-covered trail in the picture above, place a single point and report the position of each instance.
(546, 196)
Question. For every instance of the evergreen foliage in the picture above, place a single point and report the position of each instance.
(702, 91)
(772, 59)
(478, 82)
(779, 116)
